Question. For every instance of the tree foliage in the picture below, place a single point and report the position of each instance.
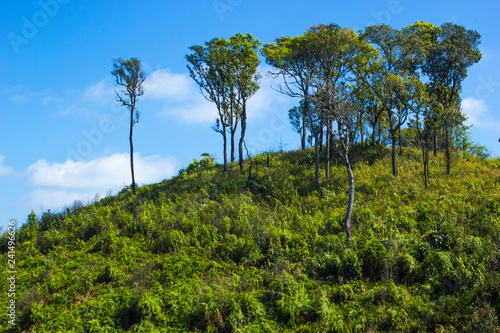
(226, 72)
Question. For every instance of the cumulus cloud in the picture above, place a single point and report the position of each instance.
(478, 113)
(266, 99)
(188, 104)
(102, 173)
(195, 110)
(56, 199)
(163, 84)
(58, 184)
(5, 170)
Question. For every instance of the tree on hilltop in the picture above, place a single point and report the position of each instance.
(129, 78)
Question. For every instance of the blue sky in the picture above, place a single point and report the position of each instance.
(63, 137)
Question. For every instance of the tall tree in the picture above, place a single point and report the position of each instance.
(412, 94)
(454, 50)
(339, 54)
(400, 52)
(293, 59)
(246, 60)
(208, 66)
(226, 72)
(129, 78)
(338, 101)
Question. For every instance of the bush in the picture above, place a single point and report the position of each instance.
(350, 266)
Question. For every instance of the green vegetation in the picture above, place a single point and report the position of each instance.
(268, 246)
(215, 251)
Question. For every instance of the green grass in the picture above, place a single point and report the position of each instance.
(209, 251)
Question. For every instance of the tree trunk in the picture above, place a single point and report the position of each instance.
(447, 149)
(331, 143)
(243, 130)
(321, 137)
(399, 139)
(304, 117)
(425, 145)
(327, 151)
(316, 152)
(233, 129)
(426, 171)
(132, 150)
(435, 144)
(350, 204)
(224, 137)
(394, 161)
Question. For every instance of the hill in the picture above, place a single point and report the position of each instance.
(208, 251)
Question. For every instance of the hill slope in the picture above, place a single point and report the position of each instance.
(209, 251)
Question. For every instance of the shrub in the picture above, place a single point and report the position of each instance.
(373, 255)
(350, 266)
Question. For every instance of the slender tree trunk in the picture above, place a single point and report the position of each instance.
(304, 124)
(232, 129)
(224, 137)
(426, 169)
(392, 132)
(374, 131)
(425, 146)
(400, 144)
(394, 156)
(425, 142)
(132, 150)
(435, 143)
(321, 137)
(327, 151)
(447, 149)
(232, 146)
(331, 143)
(350, 204)
(316, 152)
(243, 131)
(249, 180)
(380, 135)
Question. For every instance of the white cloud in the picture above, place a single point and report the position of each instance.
(22, 94)
(5, 170)
(478, 112)
(100, 174)
(59, 184)
(100, 92)
(188, 104)
(266, 99)
(475, 109)
(195, 110)
(55, 199)
(163, 84)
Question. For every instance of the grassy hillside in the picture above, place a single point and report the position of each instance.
(209, 251)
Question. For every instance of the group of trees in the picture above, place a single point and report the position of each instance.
(380, 82)
(375, 81)
(226, 72)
